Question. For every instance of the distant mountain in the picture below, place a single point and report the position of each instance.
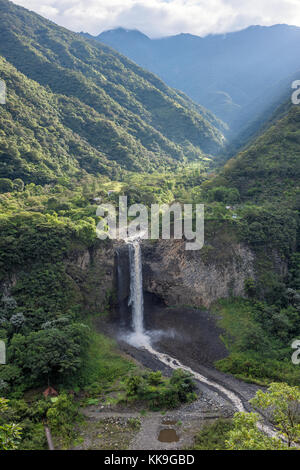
(230, 74)
(76, 106)
(262, 111)
(133, 38)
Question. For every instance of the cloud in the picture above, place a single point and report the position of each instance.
(166, 17)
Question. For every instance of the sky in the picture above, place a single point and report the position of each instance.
(158, 18)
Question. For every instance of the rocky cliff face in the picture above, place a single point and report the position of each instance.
(100, 276)
(195, 278)
(92, 273)
(188, 278)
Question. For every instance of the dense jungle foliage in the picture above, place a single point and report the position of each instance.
(81, 125)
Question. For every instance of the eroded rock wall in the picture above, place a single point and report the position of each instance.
(195, 278)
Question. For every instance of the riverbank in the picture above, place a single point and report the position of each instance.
(203, 348)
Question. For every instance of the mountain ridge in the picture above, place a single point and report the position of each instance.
(119, 111)
(226, 72)
(267, 170)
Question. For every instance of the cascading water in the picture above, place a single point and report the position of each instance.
(122, 292)
(136, 301)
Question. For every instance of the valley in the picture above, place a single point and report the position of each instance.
(142, 344)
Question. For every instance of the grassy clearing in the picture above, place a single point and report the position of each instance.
(104, 366)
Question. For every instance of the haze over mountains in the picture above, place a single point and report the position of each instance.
(235, 75)
(78, 106)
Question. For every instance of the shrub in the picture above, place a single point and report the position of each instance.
(250, 288)
(133, 385)
(6, 185)
(62, 415)
(213, 436)
(10, 433)
(155, 378)
(18, 185)
(185, 385)
(162, 393)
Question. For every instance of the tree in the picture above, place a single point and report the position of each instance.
(250, 288)
(283, 405)
(10, 434)
(224, 194)
(63, 414)
(6, 185)
(18, 185)
(49, 352)
(246, 435)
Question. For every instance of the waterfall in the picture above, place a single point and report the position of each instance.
(136, 300)
(120, 290)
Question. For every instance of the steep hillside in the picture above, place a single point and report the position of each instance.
(231, 74)
(259, 190)
(36, 144)
(82, 106)
(268, 170)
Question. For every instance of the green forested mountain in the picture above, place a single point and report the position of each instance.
(268, 170)
(75, 105)
(263, 185)
(35, 145)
